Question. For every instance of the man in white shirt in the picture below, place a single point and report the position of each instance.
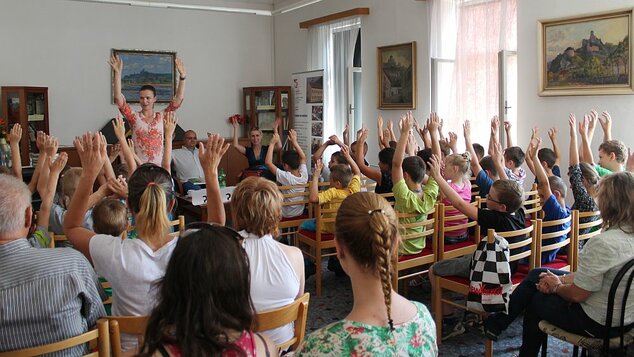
(186, 162)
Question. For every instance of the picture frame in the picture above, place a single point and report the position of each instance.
(397, 76)
(586, 54)
(141, 67)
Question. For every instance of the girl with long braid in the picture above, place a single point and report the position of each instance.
(382, 322)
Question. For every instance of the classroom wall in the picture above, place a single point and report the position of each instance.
(546, 112)
(389, 22)
(64, 45)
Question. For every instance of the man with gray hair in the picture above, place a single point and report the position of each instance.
(187, 164)
(46, 295)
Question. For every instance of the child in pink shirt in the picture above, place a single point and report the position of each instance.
(457, 175)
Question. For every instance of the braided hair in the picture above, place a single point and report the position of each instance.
(366, 224)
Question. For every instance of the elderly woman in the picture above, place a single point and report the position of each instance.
(576, 302)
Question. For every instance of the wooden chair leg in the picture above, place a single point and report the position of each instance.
(545, 346)
(318, 274)
(488, 348)
(575, 351)
(437, 308)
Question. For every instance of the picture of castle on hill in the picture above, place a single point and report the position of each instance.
(147, 67)
(594, 53)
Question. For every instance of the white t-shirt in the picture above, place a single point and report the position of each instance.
(274, 282)
(286, 178)
(187, 164)
(131, 267)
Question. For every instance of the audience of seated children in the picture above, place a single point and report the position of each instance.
(381, 321)
(382, 176)
(335, 158)
(456, 172)
(203, 302)
(48, 295)
(147, 125)
(548, 158)
(513, 155)
(576, 302)
(552, 198)
(277, 270)
(294, 172)
(584, 179)
(503, 213)
(409, 194)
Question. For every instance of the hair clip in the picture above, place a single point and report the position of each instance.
(151, 183)
(378, 210)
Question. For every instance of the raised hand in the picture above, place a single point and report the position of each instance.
(275, 138)
(292, 136)
(379, 123)
(507, 126)
(583, 125)
(169, 124)
(335, 140)
(572, 123)
(180, 67)
(386, 135)
(319, 165)
(119, 127)
(15, 135)
(390, 125)
(606, 122)
(118, 186)
(552, 134)
(346, 130)
(363, 137)
(50, 146)
(211, 154)
(452, 140)
(435, 165)
(89, 148)
(495, 124)
(434, 123)
(116, 63)
(40, 140)
(466, 129)
(277, 123)
(58, 165)
(496, 152)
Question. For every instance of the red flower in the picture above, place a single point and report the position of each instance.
(237, 118)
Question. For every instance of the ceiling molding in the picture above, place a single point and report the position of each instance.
(179, 6)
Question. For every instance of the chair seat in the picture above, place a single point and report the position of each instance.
(586, 342)
(302, 217)
(515, 279)
(424, 252)
(523, 268)
(313, 235)
(450, 247)
(558, 263)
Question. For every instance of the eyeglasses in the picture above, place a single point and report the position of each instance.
(489, 198)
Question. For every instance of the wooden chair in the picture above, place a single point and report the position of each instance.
(408, 266)
(289, 225)
(591, 226)
(562, 261)
(606, 344)
(56, 238)
(532, 207)
(296, 312)
(447, 214)
(315, 244)
(98, 336)
(133, 325)
(526, 237)
(475, 189)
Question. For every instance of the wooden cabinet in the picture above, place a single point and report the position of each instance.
(27, 106)
(262, 105)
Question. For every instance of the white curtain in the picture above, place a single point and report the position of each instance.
(331, 48)
(472, 32)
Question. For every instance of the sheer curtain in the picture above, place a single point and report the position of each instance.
(331, 48)
(482, 29)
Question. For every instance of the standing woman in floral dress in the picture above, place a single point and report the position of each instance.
(147, 125)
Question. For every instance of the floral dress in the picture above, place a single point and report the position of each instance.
(148, 137)
(583, 201)
(416, 337)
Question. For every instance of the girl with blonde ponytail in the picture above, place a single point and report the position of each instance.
(381, 322)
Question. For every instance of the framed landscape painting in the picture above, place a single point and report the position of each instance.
(397, 76)
(586, 55)
(155, 68)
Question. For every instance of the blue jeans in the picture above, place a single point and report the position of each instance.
(536, 307)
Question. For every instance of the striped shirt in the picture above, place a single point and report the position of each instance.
(46, 295)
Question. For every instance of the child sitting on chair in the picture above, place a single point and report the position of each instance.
(110, 216)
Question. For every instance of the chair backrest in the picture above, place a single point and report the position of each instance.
(180, 223)
(296, 198)
(475, 189)
(99, 335)
(446, 215)
(56, 238)
(389, 196)
(296, 312)
(132, 325)
(325, 216)
(526, 237)
(429, 227)
(591, 226)
(541, 237)
(531, 202)
(622, 273)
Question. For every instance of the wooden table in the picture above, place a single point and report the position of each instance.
(185, 206)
